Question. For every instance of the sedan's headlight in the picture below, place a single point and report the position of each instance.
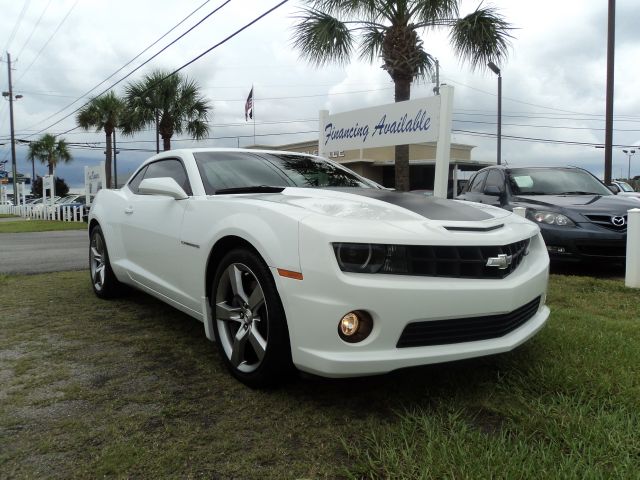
(360, 257)
(550, 218)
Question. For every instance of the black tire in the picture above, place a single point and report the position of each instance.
(254, 345)
(103, 280)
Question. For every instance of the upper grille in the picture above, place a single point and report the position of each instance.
(459, 330)
(455, 261)
(607, 222)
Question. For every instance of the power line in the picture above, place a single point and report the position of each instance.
(545, 126)
(33, 29)
(222, 42)
(64, 19)
(123, 78)
(537, 140)
(17, 24)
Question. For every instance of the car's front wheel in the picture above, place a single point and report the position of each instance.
(249, 321)
(104, 282)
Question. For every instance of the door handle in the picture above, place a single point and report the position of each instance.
(128, 210)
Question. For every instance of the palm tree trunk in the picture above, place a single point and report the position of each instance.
(166, 142)
(50, 165)
(402, 183)
(107, 162)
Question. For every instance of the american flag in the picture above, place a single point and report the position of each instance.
(248, 106)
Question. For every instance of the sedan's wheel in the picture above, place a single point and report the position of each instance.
(250, 324)
(104, 282)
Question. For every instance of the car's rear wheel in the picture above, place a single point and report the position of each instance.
(103, 280)
(249, 321)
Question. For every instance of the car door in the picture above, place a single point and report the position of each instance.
(151, 232)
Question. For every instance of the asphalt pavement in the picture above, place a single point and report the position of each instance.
(44, 251)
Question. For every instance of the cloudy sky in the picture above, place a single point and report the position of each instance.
(553, 81)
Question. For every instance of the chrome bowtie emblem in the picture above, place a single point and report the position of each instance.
(502, 261)
(618, 221)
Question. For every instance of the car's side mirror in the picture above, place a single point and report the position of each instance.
(493, 190)
(162, 186)
(614, 188)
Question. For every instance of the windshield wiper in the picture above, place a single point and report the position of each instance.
(251, 189)
(578, 192)
(533, 193)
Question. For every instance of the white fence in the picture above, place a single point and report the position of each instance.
(42, 212)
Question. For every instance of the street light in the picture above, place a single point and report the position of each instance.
(629, 153)
(494, 68)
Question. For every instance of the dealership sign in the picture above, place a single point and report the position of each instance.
(94, 180)
(400, 123)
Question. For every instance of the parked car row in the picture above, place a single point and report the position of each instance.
(580, 218)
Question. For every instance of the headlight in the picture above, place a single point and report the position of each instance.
(550, 218)
(360, 257)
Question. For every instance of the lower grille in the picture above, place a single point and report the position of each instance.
(606, 221)
(617, 250)
(460, 330)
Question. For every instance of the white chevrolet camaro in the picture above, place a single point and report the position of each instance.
(291, 260)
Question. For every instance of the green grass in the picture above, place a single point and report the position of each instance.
(132, 389)
(7, 215)
(26, 226)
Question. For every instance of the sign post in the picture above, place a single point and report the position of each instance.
(48, 183)
(443, 147)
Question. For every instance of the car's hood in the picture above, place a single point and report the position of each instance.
(583, 204)
(382, 205)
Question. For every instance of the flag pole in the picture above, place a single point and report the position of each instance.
(253, 113)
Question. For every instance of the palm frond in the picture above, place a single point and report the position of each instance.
(322, 38)
(425, 64)
(481, 37)
(431, 12)
(349, 9)
(371, 43)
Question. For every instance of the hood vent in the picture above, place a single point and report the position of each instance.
(474, 229)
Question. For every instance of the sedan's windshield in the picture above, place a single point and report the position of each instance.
(625, 187)
(236, 170)
(554, 181)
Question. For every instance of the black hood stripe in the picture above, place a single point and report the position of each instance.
(429, 207)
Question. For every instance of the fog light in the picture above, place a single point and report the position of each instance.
(349, 324)
(355, 326)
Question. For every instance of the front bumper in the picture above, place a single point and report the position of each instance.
(315, 305)
(585, 242)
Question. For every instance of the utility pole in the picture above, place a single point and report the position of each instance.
(13, 139)
(115, 161)
(436, 89)
(157, 131)
(608, 135)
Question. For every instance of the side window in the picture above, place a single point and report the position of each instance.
(477, 183)
(135, 181)
(170, 168)
(495, 179)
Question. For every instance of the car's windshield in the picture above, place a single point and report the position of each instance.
(229, 170)
(625, 187)
(554, 181)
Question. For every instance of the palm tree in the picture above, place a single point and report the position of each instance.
(103, 113)
(49, 151)
(173, 99)
(328, 31)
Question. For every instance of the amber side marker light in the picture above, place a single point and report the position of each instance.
(290, 274)
(355, 326)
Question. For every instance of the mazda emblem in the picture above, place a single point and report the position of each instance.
(618, 221)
